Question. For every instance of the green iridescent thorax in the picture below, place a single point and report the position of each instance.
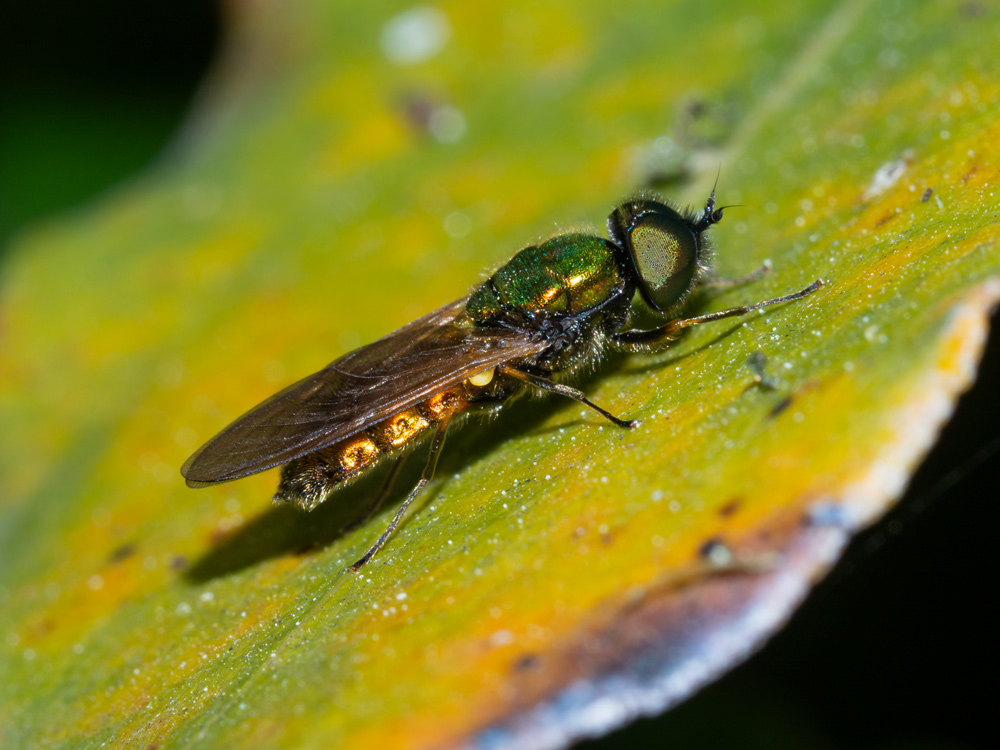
(568, 274)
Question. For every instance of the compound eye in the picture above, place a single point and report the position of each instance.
(665, 253)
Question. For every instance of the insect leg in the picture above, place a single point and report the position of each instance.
(658, 339)
(432, 458)
(722, 282)
(565, 390)
(383, 493)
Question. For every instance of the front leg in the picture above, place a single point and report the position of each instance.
(658, 339)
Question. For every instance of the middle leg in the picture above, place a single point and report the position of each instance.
(564, 390)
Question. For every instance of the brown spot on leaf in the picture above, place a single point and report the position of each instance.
(973, 9)
(729, 508)
(889, 216)
(526, 662)
(217, 537)
(418, 108)
(780, 407)
(123, 552)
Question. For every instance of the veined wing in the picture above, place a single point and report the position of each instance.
(356, 391)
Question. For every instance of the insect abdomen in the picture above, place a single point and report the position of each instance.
(308, 480)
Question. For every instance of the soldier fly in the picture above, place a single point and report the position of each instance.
(550, 312)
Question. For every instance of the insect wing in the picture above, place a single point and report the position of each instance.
(356, 391)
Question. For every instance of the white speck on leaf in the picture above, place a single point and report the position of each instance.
(415, 35)
(884, 178)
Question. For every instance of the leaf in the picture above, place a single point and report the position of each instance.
(560, 577)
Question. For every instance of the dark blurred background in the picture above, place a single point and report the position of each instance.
(895, 649)
(90, 92)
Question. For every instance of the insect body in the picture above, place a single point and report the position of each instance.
(551, 311)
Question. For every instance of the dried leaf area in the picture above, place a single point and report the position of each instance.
(350, 171)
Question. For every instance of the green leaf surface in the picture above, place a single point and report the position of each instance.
(553, 582)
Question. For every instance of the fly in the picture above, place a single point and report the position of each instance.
(551, 311)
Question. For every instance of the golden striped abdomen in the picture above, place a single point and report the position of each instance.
(308, 480)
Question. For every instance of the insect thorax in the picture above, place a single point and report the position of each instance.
(560, 290)
(567, 275)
